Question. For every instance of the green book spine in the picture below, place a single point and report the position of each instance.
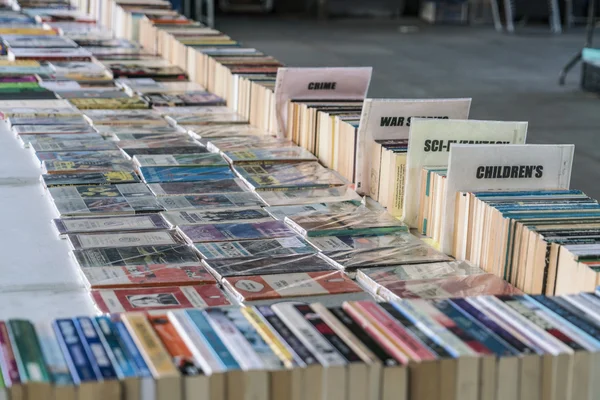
(28, 352)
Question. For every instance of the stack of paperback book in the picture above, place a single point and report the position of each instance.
(505, 347)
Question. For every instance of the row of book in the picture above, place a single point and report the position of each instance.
(506, 347)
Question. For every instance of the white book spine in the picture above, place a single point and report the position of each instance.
(327, 355)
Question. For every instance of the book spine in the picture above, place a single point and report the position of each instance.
(313, 340)
(381, 339)
(273, 340)
(417, 333)
(411, 346)
(582, 323)
(179, 351)
(488, 322)
(213, 339)
(234, 340)
(106, 331)
(304, 357)
(328, 333)
(27, 351)
(133, 353)
(203, 354)
(8, 362)
(434, 330)
(94, 348)
(153, 351)
(74, 352)
(53, 356)
(475, 331)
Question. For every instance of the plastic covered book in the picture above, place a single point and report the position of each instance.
(133, 70)
(280, 212)
(223, 131)
(107, 155)
(198, 188)
(161, 298)
(189, 148)
(126, 103)
(246, 142)
(91, 94)
(73, 145)
(210, 201)
(124, 117)
(192, 217)
(58, 139)
(186, 160)
(153, 87)
(81, 241)
(149, 222)
(206, 119)
(91, 178)
(449, 287)
(289, 285)
(309, 196)
(55, 54)
(184, 100)
(104, 200)
(160, 174)
(268, 265)
(286, 176)
(372, 278)
(241, 231)
(153, 275)
(286, 246)
(358, 222)
(45, 129)
(83, 166)
(135, 255)
(283, 154)
(172, 135)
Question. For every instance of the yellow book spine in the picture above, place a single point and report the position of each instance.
(149, 343)
(268, 336)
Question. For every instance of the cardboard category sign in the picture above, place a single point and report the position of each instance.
(430, 143)
(390, 119)
(318, 84)
(502, 167)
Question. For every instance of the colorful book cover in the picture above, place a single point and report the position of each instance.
(268, 265)
(197, 188)
(123, 239)
(162, 298)
(38, 41)
(110, 223)
(136, 255)
(91, 178)
(210, 201)
(280, 212)
(103, 104)
(254, 248)
(188, 160)
(281, 286)
(74, 145)
(184, 100)
(150, 275)
(243, 231)
(179, 218)
(181, 149)
(80, 167)
(184, 174)
(309, 196)
(291, 154)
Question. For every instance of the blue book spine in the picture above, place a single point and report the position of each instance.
(132, 350)
(184, 174)
(212, 339)
(578, 324)
(488, 322)
(118, 356)
(94, 348)
(479, 332)
(77, 361)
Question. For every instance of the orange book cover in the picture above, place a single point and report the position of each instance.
(182, 356)
(266, 287)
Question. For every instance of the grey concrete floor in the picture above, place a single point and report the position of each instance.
(510, 78)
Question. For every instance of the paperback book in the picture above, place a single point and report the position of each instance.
(150, 222)
(286, 246)
(309, 196)
(135, 255)
(280, 212)
(199, 188)
(285, 154)
(185, 160)
(81, 241)
(190, 217)
(210, 201)
(232, 231)
(91, 178)
(160, 174)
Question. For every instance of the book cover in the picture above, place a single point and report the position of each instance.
(149, 275)
(56, 54)
(111, 223)
(280, 212)
(254, 248)
(242, 231)
(123, 239)
(127, 103)
(188, 160)
(183, 174)
(179, 218)
(308, 196)
(280, 286)
(92, 178)
(287, 154)
(210, 201)
(73, 145)
(197, 188)
(181, 149)
(163, 298)
(136, 255)
(80, 167)
(189, 99)
(268, 265)
(37, 41)
(71, 345)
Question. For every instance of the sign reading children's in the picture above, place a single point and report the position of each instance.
(318, 84)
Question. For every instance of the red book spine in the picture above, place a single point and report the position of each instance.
(415, 349)
(377, 335)
(8, 363)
